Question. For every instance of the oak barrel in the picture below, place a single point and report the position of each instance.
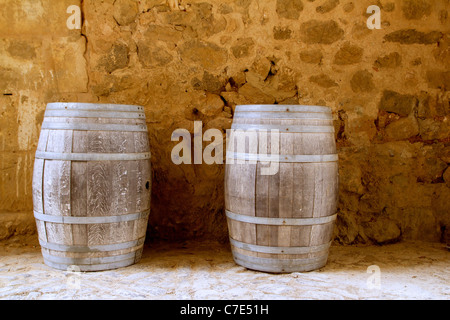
(281, 187)
(91, 185)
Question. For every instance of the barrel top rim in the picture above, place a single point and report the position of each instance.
(93, 104)
(284, 106)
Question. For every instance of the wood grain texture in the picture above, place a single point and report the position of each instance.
(56, 187)
(79, 189)
(98, 200)
(286, 193)
(38, 175)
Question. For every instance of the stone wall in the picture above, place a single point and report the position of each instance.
(196, 60)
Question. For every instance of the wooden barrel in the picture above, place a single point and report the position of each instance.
(91, 185)
(281, 220)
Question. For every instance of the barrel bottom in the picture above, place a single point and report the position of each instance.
(274, 265)
(92, 264)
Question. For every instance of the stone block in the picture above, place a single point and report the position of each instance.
(327, 6)
(234, 98)
(16, 170)
(153, 55)
(440, 205)
(419, 223)
(403, 128)
(412, 36)
(208, 55)
(16, 223)
(289, 9)
(444, 155)
(282, 33)
(323, 80)
(21, 49)
(321, 32)
(416, 9)
(242, 47)
(410, 195)
(390, 61)
(362, 81)
(431, 129)
(209, 83)
(255, 95)
(125, 11)
(401, 104)
(429, 167)
(350, 177)
(210, 105)
(438, 79)
(348, 54)
(163, 33)
(70, 64)
(347, 227)
(312, 56)
(431, 106)
(382, 231)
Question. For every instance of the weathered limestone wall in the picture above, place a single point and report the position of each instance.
(195, 60)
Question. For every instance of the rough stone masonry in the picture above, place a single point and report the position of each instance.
(196, 60)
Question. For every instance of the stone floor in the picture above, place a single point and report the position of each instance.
(185, 271)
